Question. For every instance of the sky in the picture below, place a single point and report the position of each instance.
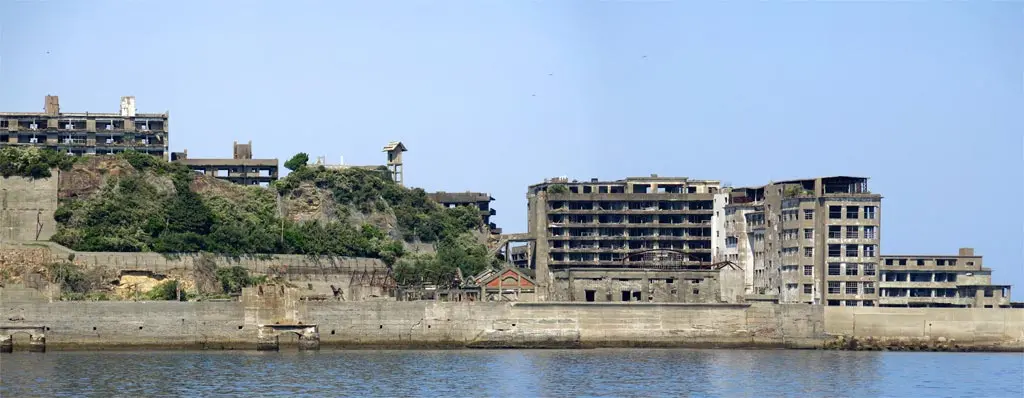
(925, 98)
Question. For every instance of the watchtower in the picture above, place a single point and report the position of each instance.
(394, 150)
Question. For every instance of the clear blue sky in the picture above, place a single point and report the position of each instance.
(926, 98)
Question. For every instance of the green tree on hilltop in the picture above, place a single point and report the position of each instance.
(297, 162)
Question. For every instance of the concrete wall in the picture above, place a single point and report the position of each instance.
(26, 208)
(978, 325)
(419, 323)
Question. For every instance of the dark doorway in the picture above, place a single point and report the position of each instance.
(590, 295)
(625, 295)
(636, 296)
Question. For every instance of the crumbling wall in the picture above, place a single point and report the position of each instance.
(27, 207)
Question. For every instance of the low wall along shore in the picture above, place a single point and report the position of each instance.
(264, 313)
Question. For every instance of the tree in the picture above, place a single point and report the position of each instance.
(297, 162)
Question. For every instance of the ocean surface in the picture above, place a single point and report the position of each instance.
(513, 373)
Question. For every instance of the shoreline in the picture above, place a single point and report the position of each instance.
(838, 344)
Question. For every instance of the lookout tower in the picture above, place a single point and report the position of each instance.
(394, 150)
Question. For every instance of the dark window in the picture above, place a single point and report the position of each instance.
(852, 212)
(835, 212)
(590, 295)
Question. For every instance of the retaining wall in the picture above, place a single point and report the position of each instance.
(970, 326)
(27, 207)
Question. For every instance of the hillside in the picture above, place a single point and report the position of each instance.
(133, 202)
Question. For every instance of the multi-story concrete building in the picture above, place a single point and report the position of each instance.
(939, 281)
(87, 133)
(811, 240)
(240, 169)
(479, 200)
(638, 239)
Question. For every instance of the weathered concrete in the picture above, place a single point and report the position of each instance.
(981, 328)
(355, 278)
(27, 207)
(259, 320)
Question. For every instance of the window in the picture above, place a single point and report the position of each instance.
(903, 261)
(951, 263)
(833, 303)
(833, 287)
(835, 250)
(808, 288)
(920, 262)
(808, 234)
(869, 250)
(791, 286)
(851, 303)
(852, 232)
(731, 241)
(869, 303)
(808, 252)
(852, 250)
(869, 212)
(833, 269)
(851, 269)
(988, 292)
(835, 212)
(851, 287)
(852, 212)
(869, 232)
(888, 261)
(940, 262)
(869, 287)
(808, 270)
(869, 269)
(808, 214)
(835, 232)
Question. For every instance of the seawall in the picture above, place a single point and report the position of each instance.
(236, 324)
(69, 325)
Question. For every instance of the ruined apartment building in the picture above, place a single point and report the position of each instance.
(939, 281)
(241, 169)
(645, 239)
(87, 133)
(479, 200)
(804, 241)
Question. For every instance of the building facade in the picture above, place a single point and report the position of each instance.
(806, 241)
(87, 133)
(241, 169)
(478, 200)
(939, 281)
(639, 239)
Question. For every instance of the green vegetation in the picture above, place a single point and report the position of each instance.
(297, 162)
(159, 209)
(557, 189)
(795, 190)
(166, 290)
(32, 162)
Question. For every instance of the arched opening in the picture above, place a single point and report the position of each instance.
(21, 340)
(288, 339)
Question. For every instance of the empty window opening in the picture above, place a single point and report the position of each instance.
(835, 212)
(625, 295)
(636, 296)
(852, 212)
(640, 188)
(590, 295)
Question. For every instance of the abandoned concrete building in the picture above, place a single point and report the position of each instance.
(645, 239)
(805, 241)
(479, 200)
(241, 169)
(87, 133)
(939, 281)
(393, 166)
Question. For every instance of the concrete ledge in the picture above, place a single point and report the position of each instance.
(627, 304)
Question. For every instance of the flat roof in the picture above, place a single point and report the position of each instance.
(228, 162)
(459, 197)
(81, 114)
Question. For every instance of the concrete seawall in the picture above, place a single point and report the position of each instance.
(421, 324)
(217, 325)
